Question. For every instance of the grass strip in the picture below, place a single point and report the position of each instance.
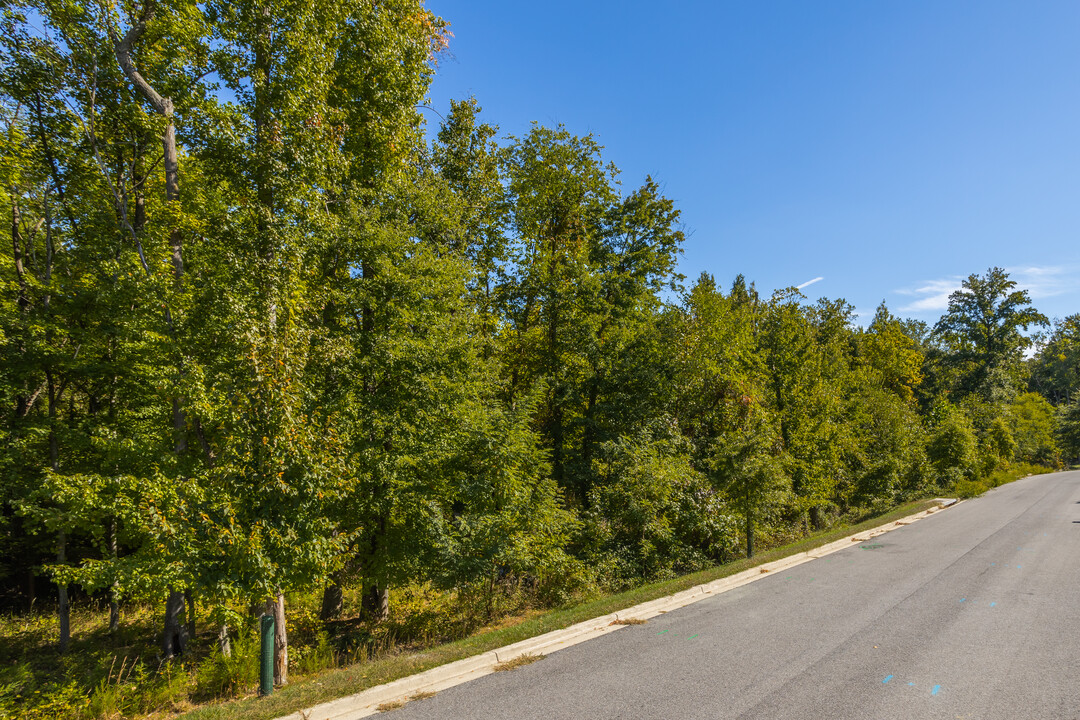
(335, 684)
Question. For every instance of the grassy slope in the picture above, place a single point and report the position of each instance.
(347, 681)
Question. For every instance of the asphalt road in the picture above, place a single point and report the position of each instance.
(973, 612)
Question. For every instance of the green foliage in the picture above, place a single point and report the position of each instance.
(895, 355)
(807, 355)
(746, 465)
(1033, 429)
(506, 519)
(889, 462)
(316, 354)
(580, 297)
(951, 447)
(1055, 370)
(965, 488)
(1068, 429)
(1000, 440)
(982, 331)
(651, 514)
(969, 488)
(226, 676)
(997, 447)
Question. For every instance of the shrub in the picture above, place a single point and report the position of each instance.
(652, 514)
(1033, 428)
(221, 676)
(952, 447)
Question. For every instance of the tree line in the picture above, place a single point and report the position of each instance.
(261, 336)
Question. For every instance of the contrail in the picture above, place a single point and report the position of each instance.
(809, 282)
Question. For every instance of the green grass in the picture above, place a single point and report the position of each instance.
(334, 684)
(973, 488)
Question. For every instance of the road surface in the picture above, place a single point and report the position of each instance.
(973, 612)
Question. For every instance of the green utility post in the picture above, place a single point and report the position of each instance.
(266, 657)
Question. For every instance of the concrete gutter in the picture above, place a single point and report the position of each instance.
(367, 702)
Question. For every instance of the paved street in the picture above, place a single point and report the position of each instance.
(971, 613)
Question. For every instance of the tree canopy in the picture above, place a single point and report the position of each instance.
(263, 337)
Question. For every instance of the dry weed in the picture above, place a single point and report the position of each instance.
(517, 662)
(392, 705)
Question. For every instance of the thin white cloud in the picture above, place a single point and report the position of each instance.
(1043, 282)
(932, 295)
(808, 283)
(1039, 281)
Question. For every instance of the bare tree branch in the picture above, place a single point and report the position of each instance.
(122, 46)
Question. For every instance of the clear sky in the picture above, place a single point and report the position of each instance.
(889, 148)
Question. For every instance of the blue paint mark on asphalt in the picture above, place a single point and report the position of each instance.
(993, 604)
(935, 690)
(993, 564)
(1017, 567)
(911, 684)
(887, 679)
(963, 599)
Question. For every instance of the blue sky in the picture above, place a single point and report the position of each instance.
(888, 148)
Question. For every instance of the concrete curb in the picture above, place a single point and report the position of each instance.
(367, 702)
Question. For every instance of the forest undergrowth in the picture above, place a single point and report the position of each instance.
(106, 676)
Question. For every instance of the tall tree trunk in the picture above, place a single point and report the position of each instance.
(17, 250)
(333, 600)
(174, 639)
(264, 190)
(588, 443)
(376, 601)
(138, 182)
(189, 598)
(224, 643)
(114, 589)
(54, 168)
(64, 608)
(62, 594)
(558, 471)
(555, 410)
(264, 119)
(31, 589)
(174, 636)
(164, 107)
(490, 600)
(22, 402)
(749, 525)
(749, 535)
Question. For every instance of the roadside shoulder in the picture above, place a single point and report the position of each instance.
(367, 702)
